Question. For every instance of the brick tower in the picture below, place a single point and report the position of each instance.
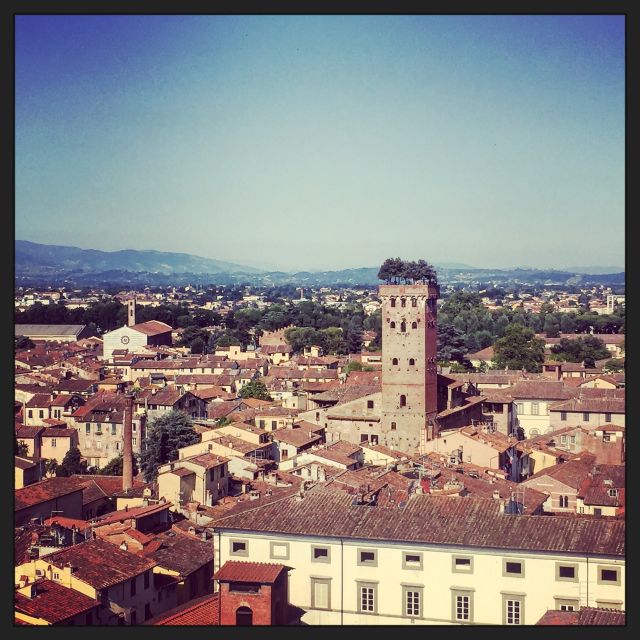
(409, 367)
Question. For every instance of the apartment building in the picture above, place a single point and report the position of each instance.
(428, 560)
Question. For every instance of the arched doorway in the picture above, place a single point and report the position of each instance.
(244, 617)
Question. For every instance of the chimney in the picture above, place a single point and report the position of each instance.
(127, 454)
(131, 312)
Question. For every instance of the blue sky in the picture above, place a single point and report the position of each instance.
(324, 142)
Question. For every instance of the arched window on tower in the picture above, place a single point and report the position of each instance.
(403, 400)
(394, 361)
(403, 302)
(393, 426)
(412, 361)
(393, 325)
(403, 326)
(414, 302)
(414, 325)
(393, 302)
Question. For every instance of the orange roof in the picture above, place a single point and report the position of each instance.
(237, 571)
(152, 327)
(204, 612)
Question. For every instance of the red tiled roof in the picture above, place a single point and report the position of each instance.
(201, 612)
(53, 602)
(45, 490)
(100, 563)
(28, 432)
(54, 432)
(238, 571)
(39, 400)
(152, 327)
(134, 512)
(470, 522)
(587, 616)
(594, 405)
(206, 460)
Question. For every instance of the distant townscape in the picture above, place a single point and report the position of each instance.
(410, 444)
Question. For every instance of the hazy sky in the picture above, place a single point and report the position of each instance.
(324, 142)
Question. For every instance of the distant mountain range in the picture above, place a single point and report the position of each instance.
(38, 264)
(31, 256)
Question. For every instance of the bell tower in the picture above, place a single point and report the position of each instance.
(131, 312)
(409, 365)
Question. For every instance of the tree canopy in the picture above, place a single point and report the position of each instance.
(519, 349)
(115, 465)
(165, 435)
(255, 389)
(579, 349)
(71, 463)
(395, 270)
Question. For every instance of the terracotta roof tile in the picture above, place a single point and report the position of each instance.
(100, 563)
(201, 612)
(470, 522)
(152, 327)
(238, 571)
(53, 602)
(45, 490)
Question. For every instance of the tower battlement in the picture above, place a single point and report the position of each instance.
(428, 290)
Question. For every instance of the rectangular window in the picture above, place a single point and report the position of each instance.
(239, 548)
(412, 561)
(134, 441)
(535, 409)
(412, 601)
(367, 558)
(608, 575)
(606, 437)
(133, 618)
(279, 550)
(462, 605)
(462, 564)
(274, 424)
(585, 416)
(133, 586)
(320, 554)
(607, 417)
(87, 428)
(572, 439)
(30, 413)
(261, 424)
(212, 474)
(567, 604)
(369, 404)
(320, 593)
(134, 428)
(563, 415)
(98, 444)
(41, 413)
(147, 611)
(566, 572)
(113, 429)
(512, 569)
(563, 439)
(513, 609)
(117, 446)
(366, 597)
(53, 442)
(146, 579)
(56, 576)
